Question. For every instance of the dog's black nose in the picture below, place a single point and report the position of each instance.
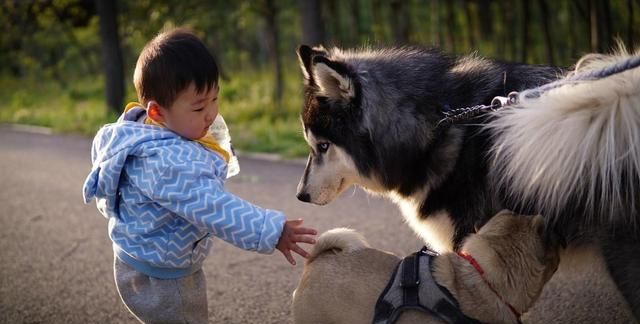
(303, 196)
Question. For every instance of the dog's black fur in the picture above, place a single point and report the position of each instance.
(426, 91)
(409, 89)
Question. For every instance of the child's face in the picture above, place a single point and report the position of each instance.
(192, 113)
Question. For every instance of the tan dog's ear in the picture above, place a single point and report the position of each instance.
(505, 212)
(553, 238)
(538, 224)
(476, 226)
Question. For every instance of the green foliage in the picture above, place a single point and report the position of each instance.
(76, 109)
(50, 40)
(51, 67)
(256, 124)
(244, 103)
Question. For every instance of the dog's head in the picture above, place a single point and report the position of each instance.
(367, 120)
(516, 258)
(330, 113)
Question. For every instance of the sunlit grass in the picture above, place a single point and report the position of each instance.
(77, 109)
(257, 124)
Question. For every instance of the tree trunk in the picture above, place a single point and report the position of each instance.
(573, 43)
(593, 22)
(273, 49)
(399, 22)
(500, 38)
(544, 13)
(600, 25)
(378, 20)
(436, 37)
(355, 22)
(630, 26)
(524, 46)
(471, 24)
(312, 27)
(451, 26)
(604, 25)
(335, 34)
(486, 19)
(111, 54)
(510, 37)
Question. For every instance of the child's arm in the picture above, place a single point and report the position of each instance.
(292, 234)
(190, 189)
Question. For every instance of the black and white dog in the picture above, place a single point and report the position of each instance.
(573, 153)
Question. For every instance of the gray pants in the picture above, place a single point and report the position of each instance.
(152, 300)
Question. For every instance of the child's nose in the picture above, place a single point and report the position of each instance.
(209, 117)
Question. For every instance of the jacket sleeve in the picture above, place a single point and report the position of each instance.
(194, 191)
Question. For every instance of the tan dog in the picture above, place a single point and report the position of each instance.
(343, 277)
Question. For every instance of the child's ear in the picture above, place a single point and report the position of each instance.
(154, 112)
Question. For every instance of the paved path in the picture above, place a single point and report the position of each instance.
(57, 261)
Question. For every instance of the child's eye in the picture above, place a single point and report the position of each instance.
(199, 109)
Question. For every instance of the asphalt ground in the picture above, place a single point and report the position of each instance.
(57, 262)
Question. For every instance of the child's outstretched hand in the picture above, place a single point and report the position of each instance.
(292, 233)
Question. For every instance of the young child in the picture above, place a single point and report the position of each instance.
(158, 177)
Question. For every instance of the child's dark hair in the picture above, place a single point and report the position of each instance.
(169, 63)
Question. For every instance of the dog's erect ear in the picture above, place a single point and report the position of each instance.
(305, 56)
(332, 79)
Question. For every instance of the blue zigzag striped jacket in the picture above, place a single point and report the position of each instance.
(165, 200)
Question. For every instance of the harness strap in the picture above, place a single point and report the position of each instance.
(412, 286)
(410, 279)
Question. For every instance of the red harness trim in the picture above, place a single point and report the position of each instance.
(478, 268)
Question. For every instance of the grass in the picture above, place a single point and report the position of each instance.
(255, 122)
(79, 109)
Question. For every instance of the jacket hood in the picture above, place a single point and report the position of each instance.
(111, 146)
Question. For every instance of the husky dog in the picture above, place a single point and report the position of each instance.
(344, 276)
(572, 154)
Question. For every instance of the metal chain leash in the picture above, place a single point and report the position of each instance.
(463, 114)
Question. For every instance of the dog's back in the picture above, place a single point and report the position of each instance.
(342, 267)
(572, 153)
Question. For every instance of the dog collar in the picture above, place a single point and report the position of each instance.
(479, 269)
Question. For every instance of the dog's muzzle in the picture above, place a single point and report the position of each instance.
(304, 197)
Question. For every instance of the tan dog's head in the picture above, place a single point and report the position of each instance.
(516, 261)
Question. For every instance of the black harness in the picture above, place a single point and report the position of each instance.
(407, 289)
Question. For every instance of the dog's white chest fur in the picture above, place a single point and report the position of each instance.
(436, 230)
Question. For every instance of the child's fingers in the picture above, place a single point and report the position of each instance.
(303, 239)
(287, 254)
(295, 248)
(295, 222)
(305, 230)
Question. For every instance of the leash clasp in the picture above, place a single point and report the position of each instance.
(499, 102)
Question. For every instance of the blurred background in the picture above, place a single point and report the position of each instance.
(68, 64)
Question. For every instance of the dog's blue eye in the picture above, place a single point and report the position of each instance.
(323, 147)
